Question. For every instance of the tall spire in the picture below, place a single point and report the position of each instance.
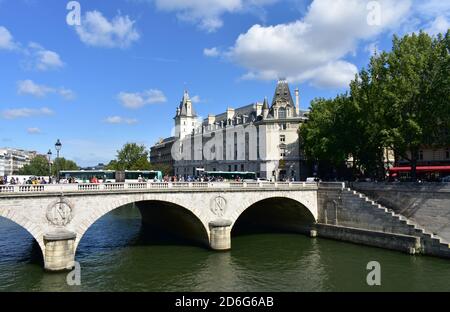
(265, 104)
(265, 108)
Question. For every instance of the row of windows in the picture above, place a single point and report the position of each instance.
(447, 154)
(230, 169)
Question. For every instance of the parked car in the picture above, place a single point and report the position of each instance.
(312, 180)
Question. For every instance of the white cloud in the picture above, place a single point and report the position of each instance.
(34, 131)
(313, 49)
(29, 87)
(66, 93)
(212, 52)
(440, 25)
(208, 13)
(332, 75)
(6, 39)
(196, 99)
(120, 120)
(36, 56)
(26, 112)
(140, 99)
(39, 58)
(96, 30)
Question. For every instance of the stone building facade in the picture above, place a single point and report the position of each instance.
(12, 160)
(429, 156)
(161, 153)
(258, 138)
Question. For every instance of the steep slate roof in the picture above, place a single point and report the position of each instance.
(183, 105)
(282, 93)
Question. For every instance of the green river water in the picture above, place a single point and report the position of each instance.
(116, 255)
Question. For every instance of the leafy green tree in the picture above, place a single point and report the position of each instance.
(417, 97)
(131, 157)
(38, 166)
(327, 138)
(61, 163)
(400, 102)
(368, 97)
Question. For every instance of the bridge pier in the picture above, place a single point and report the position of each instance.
(59, 252)
(220, 234)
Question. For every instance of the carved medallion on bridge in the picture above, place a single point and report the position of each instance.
(59, 212)
(218, 206)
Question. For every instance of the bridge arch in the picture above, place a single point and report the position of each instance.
(284, 213)
(33, 229)
(153, 210)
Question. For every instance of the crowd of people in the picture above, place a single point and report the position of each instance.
(96, 180)
(24, 181)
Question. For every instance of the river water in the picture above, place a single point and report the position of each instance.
(116, 255)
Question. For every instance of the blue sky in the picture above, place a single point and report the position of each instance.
(119, 75)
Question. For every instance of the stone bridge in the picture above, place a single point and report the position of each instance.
(58, 216)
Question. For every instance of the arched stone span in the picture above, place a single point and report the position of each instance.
(32, 228)
(167, 218)
(276, 213)
(110, 205)
(309, 202)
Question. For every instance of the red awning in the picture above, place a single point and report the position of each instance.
(421, 169)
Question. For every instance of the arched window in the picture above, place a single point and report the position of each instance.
(282, 113)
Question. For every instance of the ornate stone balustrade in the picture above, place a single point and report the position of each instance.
(169, 186)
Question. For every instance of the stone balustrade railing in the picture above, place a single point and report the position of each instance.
(169, 186)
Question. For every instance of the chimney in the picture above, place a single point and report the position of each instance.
(297, 102)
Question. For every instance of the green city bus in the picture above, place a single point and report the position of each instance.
(85, 176)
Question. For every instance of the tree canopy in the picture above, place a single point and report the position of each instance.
(39, 166)
(131, 157)
(400, 102)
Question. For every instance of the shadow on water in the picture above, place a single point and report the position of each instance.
(149, 236)
(125, 227)
(35, 254)
(17, 245)
(274, 215)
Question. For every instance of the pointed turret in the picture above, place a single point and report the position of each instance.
(186, 118)
(265, 108)
(186, 108)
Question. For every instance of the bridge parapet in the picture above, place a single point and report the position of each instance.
(169, 186)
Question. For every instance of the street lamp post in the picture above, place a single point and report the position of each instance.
(58, 146)
(49, 157)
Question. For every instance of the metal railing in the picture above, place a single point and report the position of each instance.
(169, 186)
